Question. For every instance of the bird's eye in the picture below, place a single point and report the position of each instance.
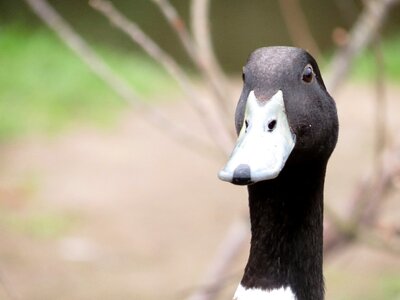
(308, 74)
(243, 76)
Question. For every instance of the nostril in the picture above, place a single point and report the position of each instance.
(242, 175)
(271, 125)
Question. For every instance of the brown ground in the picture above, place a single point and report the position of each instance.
(127, 213)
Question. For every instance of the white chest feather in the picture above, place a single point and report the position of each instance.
(258, 294)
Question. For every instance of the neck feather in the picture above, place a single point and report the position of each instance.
(286, 223)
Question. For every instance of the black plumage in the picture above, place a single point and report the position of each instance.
(287, 212)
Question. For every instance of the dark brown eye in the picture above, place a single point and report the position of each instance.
(243, 75)
(308, 74)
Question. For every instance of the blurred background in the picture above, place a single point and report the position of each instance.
(109, 155)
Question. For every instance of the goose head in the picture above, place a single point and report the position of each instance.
(284, 116)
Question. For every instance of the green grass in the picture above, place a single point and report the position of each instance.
(365, 67)
(44, 86)
(45, 225)
(346, 284)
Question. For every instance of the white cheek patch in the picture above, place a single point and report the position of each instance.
(264, 143)
(259, 294)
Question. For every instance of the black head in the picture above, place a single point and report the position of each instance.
(284, 116)
(311, 111)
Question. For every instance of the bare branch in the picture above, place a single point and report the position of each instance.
(229, 249)
(373, 239)
(49, 16)
(383, 181)
(203, 65)
(215, 128)
(297, 26)
(366, 201)
(205, 50)
(380, 103)
(177, 23)
(348, 9)
(362, 33)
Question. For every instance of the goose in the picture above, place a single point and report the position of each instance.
(287, 128)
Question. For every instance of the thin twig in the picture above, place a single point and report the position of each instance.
(335, 221)
(215, 83)
(380, 103)
(229, 249)
(214, 290)
(365, 207)
(348, 10)
(202, 35)
(179, 26)
(390, 169)
(373, 239)
(366, 202)
(297, 26)
(215, 128)
(362, 33)
(76, 43)
(54, 21)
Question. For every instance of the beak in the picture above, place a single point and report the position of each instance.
(264, 144)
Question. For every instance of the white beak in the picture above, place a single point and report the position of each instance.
(264, 143)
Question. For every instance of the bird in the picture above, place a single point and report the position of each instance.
(287, 126)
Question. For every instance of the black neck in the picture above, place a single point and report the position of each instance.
(286, 223)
